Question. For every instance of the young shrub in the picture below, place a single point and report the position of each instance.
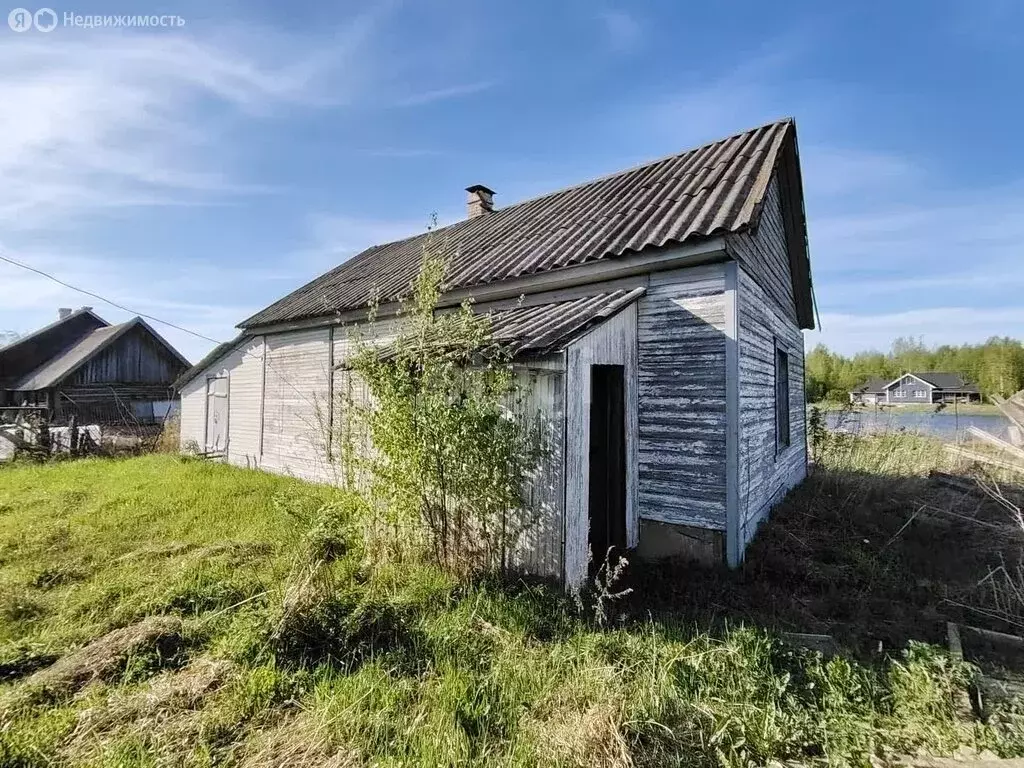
(448, 456)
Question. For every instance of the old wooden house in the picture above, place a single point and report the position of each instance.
(83, 366)
(657, 314)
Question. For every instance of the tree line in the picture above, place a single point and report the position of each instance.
(997, 366)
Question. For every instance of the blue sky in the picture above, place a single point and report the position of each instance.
(199, 173)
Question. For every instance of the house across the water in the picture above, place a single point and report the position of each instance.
(917, 389)
(657, 314)
(81, 366)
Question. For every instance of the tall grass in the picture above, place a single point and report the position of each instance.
(299, 649)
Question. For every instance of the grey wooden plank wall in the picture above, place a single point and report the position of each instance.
(134, 358)
(613, 342)
(765, 474)
(763, 253)
(682, 429)
(539, 401)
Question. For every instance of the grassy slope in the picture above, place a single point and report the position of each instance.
(389, 664)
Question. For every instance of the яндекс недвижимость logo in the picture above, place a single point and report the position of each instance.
(22, 19)
(46, 20)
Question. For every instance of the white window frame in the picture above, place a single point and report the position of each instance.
(900, 394)
(920, 394)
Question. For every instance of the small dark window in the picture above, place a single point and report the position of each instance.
(781, 399)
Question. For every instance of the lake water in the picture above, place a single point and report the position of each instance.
(944, 424)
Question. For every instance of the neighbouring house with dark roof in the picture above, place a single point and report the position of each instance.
(656, 315)
(916, 389)
(83, 366)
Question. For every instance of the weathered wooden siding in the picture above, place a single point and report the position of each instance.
(614, 342)
(540, 402)
(244, 369)
(765, 475)
(192, 421)
(296, 405)
(682, 477)
(539, 399)
(764, 255)
(105, 403)
(133, 359)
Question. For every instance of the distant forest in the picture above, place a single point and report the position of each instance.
(997, 366)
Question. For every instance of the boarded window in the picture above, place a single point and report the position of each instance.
(781, 399)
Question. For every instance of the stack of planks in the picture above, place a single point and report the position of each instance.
(1010, 452)
(1013, 409)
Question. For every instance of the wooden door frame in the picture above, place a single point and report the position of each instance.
(227, 413)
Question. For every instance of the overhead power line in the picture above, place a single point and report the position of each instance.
(105, 300)
(122, 307)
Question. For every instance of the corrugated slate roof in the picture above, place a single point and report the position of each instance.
(65, 362)
(59, 366)
(711, 190)
(525, 331)
(538, 330)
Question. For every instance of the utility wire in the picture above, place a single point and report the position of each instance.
(264, 358)
(106, 300)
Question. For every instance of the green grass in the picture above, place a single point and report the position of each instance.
(298, 648)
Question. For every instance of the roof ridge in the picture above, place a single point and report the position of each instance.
(580, 184)
(701, 192)
(648, 163)
(50, 326)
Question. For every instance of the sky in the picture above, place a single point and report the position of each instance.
(198, 173)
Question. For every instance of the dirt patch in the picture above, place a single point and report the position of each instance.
(871, 561)
(106, 657)
(59, 576)
(17, 661)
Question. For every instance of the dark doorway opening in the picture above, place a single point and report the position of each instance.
(607, 462)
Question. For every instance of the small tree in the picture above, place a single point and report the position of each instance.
(448, 450)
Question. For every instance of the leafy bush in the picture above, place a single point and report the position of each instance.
(448, 453)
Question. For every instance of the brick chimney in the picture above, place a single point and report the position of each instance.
(64, 312)
(480, 201)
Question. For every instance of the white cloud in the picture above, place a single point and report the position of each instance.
(832, 172)
(970, 239)
(623, 30)
(432, 95)
(99, 121)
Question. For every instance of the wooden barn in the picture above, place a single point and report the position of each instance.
(83, 366)
(657, 314)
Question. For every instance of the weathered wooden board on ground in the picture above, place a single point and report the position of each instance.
(1002, 445)
(1013, 409)
(982, 458)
